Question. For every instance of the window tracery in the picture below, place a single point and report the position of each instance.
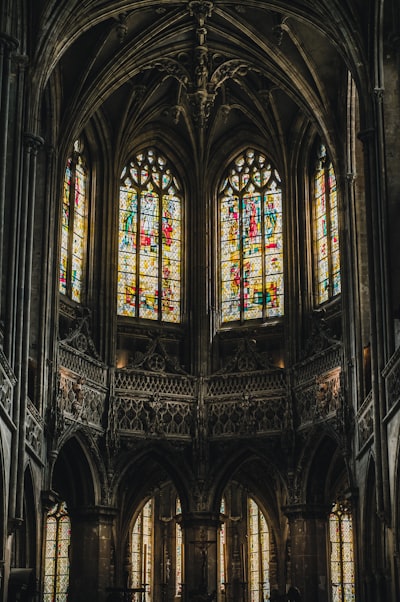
(150, 240)
(251, 242)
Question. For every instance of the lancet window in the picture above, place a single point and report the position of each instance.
(150, 240)
(325, 230)
(56, 561)
(341, 552)
(251, 242)
(74, 225)
(258, 553)
(142, 548)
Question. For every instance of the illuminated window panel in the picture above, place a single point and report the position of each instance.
(178, 552)
(150, 240)
(74, 226)
(56, 560)
(326, 230)
(258, 554)
(341, 553)
(251, 246)
(223, 560)
(142, 548)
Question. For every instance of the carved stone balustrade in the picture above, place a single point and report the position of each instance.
(365, 422)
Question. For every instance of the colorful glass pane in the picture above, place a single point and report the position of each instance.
(258, 554)
(142, 548)
(326, 230)
(150, 241)
(74, 231)
(56, 561)
(342, 554)
(251, 240)
(178, 552)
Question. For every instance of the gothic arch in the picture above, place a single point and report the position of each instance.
(74, 474)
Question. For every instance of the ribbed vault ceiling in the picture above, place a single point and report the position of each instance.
(201, 71)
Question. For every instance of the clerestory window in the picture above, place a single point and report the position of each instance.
(251, 242)
(74, 225)
(325, 229)
(150, 240)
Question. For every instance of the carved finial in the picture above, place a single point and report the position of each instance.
(201, 9)
(121, 27)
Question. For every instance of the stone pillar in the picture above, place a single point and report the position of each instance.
(91, 553)
(200, 531)
(309, 562)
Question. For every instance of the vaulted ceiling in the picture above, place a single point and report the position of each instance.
(202, 72)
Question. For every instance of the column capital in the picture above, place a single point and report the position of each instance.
(8, 42)
(32, 141)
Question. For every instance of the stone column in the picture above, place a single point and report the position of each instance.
(200, 531)
(309, 562)
(91, 557)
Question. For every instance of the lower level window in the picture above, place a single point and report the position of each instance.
(56, 563)
(341, 552)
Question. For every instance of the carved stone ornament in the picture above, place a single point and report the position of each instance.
(247, 359)
(156, 359)
(79, 337)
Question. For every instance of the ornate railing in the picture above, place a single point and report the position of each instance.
(391, 373)
(317, 386)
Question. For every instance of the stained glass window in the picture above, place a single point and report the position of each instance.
(251, 246)
(326, 230)
(178, 552)
(341, 553)
(258, 554)
(150, 240)
(223, 561)
(56, 560)
(74, 225)
(142, 547)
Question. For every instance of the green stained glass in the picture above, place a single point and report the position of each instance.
(326, 230)
(150, 241)
(251, 252)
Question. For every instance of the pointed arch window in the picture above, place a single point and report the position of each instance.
(251, 242)
(178, 550)
(258, 553)
(223, 560)
(74, 225)
(56, 561)
(325, 230)
(150, 240)
(142, 547)
(341, 552)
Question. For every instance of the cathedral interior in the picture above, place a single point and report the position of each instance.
(199, 300)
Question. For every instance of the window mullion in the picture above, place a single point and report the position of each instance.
(263, 239)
